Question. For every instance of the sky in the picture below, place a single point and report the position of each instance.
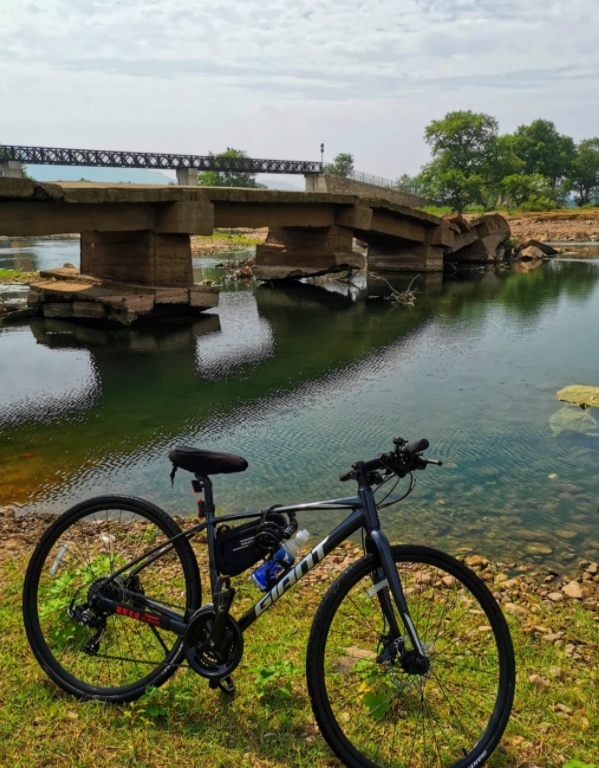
(278, 77)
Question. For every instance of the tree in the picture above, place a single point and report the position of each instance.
(451, 186)
(584, 176)
(533, 193)
(409, 185)
(229, 178)
(544, 150)
(463, 141)
(342, 165)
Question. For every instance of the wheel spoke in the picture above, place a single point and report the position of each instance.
(394, 717)
(100, 542)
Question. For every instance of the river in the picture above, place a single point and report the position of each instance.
(303, 381)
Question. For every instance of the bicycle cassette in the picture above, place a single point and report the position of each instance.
(212, 662)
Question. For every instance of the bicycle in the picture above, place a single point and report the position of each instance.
(409, 658)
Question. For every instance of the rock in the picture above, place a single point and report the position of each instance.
(590, 605)
(592, 568)
(555, 597)
(516, 610)
(585, 397)
(551, 637)
(538, 549)
(476, 561)
(448, 581)
(557, 673)
(538, 682)
(531, 253)
(9, 513)
(573, 590)
(360, 653)
(548, 250)
(572, 419)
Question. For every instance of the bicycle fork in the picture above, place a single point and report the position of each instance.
(388, 583)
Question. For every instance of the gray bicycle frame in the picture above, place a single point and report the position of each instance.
(364, 514)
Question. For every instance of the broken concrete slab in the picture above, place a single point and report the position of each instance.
(531, 253)
(547, 250)
(76, 296)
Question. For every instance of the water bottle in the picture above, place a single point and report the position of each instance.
(266, 573)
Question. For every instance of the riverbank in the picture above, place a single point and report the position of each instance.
(227, 240)
(560, 226)
(16, 277)
(555, 717)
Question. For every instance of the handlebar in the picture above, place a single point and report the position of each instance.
(405, 458)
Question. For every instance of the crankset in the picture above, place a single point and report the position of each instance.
(212, 659)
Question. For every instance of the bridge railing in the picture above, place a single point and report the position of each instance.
(367, 178)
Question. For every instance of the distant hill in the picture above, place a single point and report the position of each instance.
(114, 175)
(134, 176)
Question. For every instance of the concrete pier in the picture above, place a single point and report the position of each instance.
(11, 169)
(187, 177)
(293, 252)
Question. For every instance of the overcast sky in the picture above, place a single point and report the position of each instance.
(277, 77)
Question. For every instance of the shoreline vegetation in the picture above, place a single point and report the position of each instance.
(554, 620)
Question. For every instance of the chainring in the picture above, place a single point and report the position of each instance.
(214, 663)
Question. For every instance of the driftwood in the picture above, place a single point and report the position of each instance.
(405, 298)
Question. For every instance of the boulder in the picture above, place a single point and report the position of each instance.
(531, 253)
(585, 397)
(548, 250)
(491, 224)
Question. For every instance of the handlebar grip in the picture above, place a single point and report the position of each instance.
(417, 446)
(344, 478)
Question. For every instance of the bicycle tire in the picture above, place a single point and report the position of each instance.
(324, 696)
(49, 551)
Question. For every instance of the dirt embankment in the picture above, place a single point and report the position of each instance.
(227, 240)
(556, 226)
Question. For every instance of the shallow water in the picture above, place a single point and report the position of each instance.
(303, 381)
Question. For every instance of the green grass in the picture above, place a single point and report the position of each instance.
(16, 276)
(232, 238)
(269, 721)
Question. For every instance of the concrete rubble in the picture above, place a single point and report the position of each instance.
(67, 294)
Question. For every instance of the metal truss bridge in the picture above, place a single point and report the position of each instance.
(99, 158)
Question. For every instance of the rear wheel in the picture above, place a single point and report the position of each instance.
(375, 705)
(113, 657)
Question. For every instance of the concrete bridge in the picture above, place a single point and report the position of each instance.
(139, 237)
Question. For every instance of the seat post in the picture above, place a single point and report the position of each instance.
(209, 509)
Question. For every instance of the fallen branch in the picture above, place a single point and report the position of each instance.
(405, 298)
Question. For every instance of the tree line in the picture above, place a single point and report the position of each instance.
(535, 168)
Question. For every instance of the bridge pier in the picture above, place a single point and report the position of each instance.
(187, 177)
(142, 257)
(12, 169)
(292, 252)
(408, 257)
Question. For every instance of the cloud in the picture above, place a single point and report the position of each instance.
(405, 60)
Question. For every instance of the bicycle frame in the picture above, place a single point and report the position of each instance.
(364, 514)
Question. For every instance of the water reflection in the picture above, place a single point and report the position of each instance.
(33, 255)
(303, 381)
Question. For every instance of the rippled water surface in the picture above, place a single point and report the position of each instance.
(303, 381)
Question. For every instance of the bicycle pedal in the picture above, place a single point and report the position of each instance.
(226, 685)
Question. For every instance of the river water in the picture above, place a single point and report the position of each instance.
(305, 380)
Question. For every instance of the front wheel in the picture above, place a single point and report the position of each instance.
(375, 707)
(86, 650)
